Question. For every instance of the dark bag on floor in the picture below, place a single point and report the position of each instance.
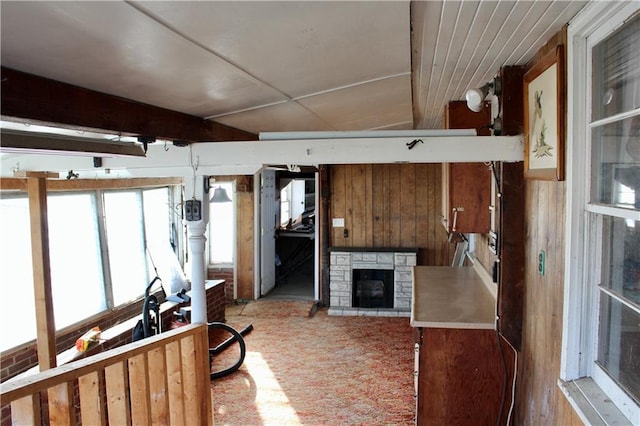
(138, 331)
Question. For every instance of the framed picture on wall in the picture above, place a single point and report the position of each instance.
(544, 115)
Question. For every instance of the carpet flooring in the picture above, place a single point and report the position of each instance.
(304, 367)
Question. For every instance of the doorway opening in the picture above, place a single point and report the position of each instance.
(295, 237)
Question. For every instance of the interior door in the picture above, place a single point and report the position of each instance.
(268, 213)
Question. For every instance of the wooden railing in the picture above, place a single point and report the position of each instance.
(163, 379)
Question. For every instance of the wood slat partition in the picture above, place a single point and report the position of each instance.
(158, 380)
(389, 205)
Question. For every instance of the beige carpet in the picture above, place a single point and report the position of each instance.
(316, 370)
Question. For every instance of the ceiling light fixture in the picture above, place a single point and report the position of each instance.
(220, 196)
(475, 97)
(41, 143)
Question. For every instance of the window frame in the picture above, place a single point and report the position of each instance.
(173, 190)
(591, 392)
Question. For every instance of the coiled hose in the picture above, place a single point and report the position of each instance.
(235, 336)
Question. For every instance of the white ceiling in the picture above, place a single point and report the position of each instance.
(281, 66)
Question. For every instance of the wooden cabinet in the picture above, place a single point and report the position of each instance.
(460, 377)
(466, 187)
(466, 197)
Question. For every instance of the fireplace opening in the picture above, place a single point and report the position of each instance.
(372, 288)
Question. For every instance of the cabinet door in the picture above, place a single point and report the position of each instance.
(467, 186)
(469, 196)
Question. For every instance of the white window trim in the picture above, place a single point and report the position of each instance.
(591, 401)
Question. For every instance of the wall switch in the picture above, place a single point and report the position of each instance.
(192, 210)
(541, 262)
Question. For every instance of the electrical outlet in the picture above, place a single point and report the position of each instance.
(541, 262)
(192, 210)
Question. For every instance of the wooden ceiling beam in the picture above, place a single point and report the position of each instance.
(38, 100)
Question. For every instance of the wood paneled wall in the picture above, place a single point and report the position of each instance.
(538, 398)
(245, 246)
(389, 205)
(245, 186)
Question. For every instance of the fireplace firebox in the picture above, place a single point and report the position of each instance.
(372, 288)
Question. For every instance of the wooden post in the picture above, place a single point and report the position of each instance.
(46, 329)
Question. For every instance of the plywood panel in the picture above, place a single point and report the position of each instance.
(174, 384)
(139, 390)
(337, 203)
(61, 410)
(408, 206)
(348, 207)
(380, 203)
(245, 248)
(159, 398)
(395, 189)
(422, 205)
(26, 410)
(91, 402)
(359, 189)
(117, 394)
(539, 400)
(389, 205)
(188, 348)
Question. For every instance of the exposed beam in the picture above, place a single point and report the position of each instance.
(33, 99)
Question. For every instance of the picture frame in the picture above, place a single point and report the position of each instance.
(544, 117)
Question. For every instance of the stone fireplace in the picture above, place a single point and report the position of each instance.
(371, 281)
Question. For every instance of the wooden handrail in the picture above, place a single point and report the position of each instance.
(157, 379)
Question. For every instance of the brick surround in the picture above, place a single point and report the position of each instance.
(341, 266)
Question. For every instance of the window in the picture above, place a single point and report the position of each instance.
(101, 266)
(602, 294)
(125, 239)
(292, 201)
(222, 220)
(74, 253)
(16, 273)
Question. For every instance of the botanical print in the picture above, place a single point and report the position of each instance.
(543, 118)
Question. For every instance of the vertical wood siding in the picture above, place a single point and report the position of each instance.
(389, 205)
(244, 241)
(539, 400)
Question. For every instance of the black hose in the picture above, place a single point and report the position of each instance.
(224, 345)
(236, 336)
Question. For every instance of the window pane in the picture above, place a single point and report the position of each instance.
(222, 227)
(616, 65)
(158, 230)
(156, 218)
(125, 240)
(76, 265)
(615, 164)
(16, 273)
(619, 344)
(621, 258)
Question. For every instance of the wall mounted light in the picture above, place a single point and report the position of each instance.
(475, 97)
